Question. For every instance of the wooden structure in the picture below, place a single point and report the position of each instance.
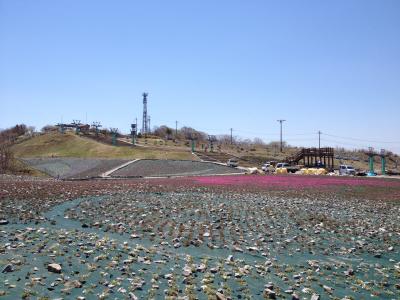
(314, 157)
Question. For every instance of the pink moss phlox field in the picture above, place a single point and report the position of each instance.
(293, 181)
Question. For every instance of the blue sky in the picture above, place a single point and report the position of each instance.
(332, 66)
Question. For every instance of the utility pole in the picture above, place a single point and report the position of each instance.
(176, 129)
(281, 121)
(231, 136)
(319, 139)
(144, 118)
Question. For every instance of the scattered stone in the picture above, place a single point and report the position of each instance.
(54, 268)
(270, 294)
(201, 268)
(220, 296)
(237, 249)
(214, 270)
(8, 269)
(187, 271)
(315, 297)
(230, 258)
(269, 285)
(133, 296)
(349, 272)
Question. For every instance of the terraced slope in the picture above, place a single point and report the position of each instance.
(74, 168)
(154, 168)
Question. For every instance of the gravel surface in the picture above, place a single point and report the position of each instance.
(79, 168)
(182, 239)
(154, 168)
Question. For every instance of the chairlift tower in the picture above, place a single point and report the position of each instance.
(96, 125)
(76, 123)
(371, 161)
(383, 161)
(114, 133)
(212, 139)
(61, 128)
(133, 133)
(193, 137)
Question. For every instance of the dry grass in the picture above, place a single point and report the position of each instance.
(71, 145)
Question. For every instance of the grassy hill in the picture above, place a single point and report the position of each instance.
(71, 145)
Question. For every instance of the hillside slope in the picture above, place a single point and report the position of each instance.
(71, 145)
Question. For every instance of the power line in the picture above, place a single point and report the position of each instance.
(290, 139)
(265, 134)
(345, 143)
(288, 136)
(361, 140)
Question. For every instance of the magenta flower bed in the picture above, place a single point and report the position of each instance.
(294, 181)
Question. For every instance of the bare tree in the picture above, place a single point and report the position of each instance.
(6, 156)
(258, 142)
(48, 128)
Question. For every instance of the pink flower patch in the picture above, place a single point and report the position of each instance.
(294, 181)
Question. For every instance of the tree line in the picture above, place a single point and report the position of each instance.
(8, 137)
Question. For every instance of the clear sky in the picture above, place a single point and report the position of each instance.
(332, 66)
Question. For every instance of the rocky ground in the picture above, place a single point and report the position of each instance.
(155, 168)
(199, 238)
(79, 168)
(84, 168)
